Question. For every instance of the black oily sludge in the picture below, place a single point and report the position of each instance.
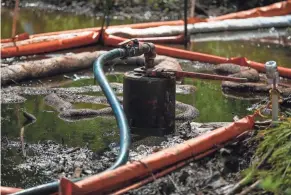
(13, 94)
(56, 98)
(54, 160)
(187, 112)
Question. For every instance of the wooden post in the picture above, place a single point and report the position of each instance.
(185, 24)
(15, 17)
(192, 10)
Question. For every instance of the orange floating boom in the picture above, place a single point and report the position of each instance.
(162, 173)
(109, 180)
(49, 45)
(281, 8)
(171, 169)
(112, 40)
(276, 9)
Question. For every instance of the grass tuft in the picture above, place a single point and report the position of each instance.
(275, 172)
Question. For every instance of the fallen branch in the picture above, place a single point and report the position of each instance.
(251, 188)
(48, 67)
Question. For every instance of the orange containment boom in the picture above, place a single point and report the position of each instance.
(112, 40)
(276, 9)
(110, 180)
(48, 43)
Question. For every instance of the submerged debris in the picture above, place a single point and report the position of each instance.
(67, 112)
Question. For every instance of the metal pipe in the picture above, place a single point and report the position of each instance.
(273, 79)
(275, 104)
(192, 10)
(15, 18)
(183, 74)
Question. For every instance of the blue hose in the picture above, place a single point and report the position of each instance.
(119, 115)
(114, 103)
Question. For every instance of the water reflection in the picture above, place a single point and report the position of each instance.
(260, 46)
(35, 21)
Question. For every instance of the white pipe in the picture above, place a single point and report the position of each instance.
(215, 26)
(273, 79)
(239, 35)
(275, 105)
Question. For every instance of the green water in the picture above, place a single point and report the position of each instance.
(34, 21)
(99, 133)
(256, 51)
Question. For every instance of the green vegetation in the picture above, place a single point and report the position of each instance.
(273, 167)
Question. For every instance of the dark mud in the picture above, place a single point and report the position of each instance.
(142, 10)
(214, 173)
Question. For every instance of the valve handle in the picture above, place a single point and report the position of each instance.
(129, 43)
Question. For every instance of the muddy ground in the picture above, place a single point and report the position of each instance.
(142, 10)
(215, 174)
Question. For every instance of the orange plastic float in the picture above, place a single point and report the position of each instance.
(112, 40)
(276, 9)
(110, 180)
(171, 169)
(281, 8)
(19, 37)
(48, 44)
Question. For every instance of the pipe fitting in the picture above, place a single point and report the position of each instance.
(133, 48)
(272, 73)
(150, 56)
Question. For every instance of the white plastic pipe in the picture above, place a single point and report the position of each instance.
(273, 79)
(215, 26)
(275, 105)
